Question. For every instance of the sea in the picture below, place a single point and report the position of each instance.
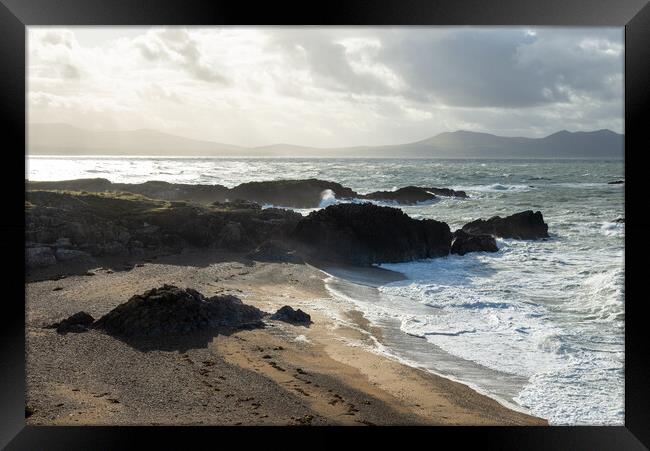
(538, 326)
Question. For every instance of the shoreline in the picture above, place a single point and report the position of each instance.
(293, 374)
(375, 277)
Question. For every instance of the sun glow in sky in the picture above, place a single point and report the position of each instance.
(326, 86)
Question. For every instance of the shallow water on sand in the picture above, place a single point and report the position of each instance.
(539, 324)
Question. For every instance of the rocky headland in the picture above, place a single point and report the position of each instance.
(64, 226)
(306, 193)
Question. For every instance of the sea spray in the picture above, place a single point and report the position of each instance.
(327, 198)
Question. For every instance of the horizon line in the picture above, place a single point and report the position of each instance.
(28, 124)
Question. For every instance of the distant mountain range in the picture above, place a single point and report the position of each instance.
(63, 139)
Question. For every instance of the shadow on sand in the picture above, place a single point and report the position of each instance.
(180, 343)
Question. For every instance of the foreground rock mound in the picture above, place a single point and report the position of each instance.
(363, 234)
(79, 322)
(465, 242)
(169, 310)
(289, 315)
(527, 225)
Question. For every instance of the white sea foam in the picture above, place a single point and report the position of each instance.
(613, 228)
(495, 188)
(522, 325)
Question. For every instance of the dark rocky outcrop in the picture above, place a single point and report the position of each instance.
(411, 195)
(154, 189)
(620, 220)
(289, 315)
(39, 256)
(527, 225)
(404, 196)
(290, 193)
(447, 192)
(79, 322)
(169, 310)
(275, 251)
(75, 227)
(464, 242)
(363, 234)
(237, 204)
(307, 193)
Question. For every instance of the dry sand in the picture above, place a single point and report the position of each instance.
(280, 375)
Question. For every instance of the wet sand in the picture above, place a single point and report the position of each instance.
(280, 375)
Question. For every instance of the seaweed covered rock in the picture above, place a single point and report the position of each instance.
(363, 234)
(79, 322)
(274, 251)
(289, 315)
(169, 310)
(527, 225)
(464, 242)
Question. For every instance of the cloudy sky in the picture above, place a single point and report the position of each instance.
(327, 87)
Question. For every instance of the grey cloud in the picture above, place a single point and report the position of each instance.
(505, 67)
(499, 68)
(178, 42)
(327, 62)
(56, 38)
(70, 72)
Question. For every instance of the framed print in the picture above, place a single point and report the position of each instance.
(351, 215)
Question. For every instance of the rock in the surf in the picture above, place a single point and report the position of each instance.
(447, 192)
(290, 193)
(526, 225)
(363, 234)
(464, 242)
(408, 195)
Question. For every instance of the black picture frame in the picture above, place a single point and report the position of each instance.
(15, 15)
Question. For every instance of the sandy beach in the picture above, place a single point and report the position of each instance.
(324, 374)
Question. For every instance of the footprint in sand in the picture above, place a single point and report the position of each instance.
(276, 366)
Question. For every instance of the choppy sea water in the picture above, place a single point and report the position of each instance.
(539, 324)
